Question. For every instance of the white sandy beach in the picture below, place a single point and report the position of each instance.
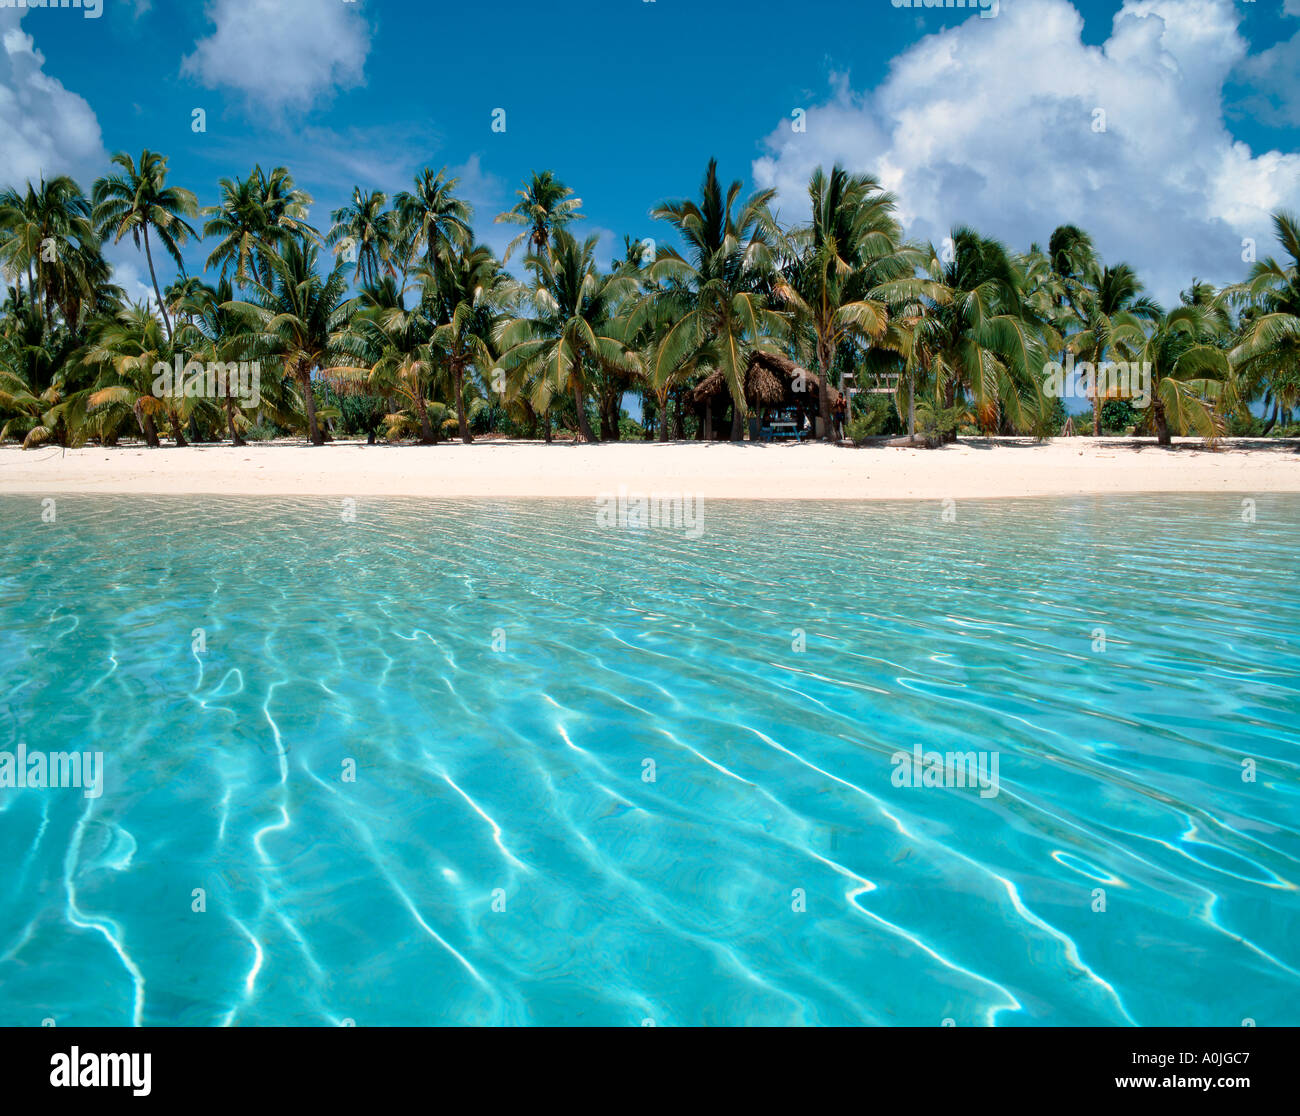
(975, 468)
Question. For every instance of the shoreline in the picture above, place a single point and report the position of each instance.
(975, 468)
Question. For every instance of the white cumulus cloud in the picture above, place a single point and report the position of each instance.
(282, 54)
(996, 123)
(47, 129)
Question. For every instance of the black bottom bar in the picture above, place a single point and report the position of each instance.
(1244, 1066)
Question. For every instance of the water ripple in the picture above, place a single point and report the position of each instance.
(461, 762)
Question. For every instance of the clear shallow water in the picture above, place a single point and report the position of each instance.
(520, 767)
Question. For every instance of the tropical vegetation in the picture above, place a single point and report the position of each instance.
(397, 322)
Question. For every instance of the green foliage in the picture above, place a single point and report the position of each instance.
(872, 418)
(1242, 424)
(938, 425)
(715, 296)
(439, 328)
(545, 205)
(568, 328)
(863, 427)
(1050, 420)
(834, 287)
(1118, 416)
(263, 432)
(358, 414)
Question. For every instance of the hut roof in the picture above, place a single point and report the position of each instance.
(769, 379)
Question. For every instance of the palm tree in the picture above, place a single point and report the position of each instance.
(182, 297)
(664, 374)
(644, 333)
(387, 347)
(28, 406)
(367, 228)
(1267, 354)
(1191, 378)
(851, 246)
(240, 223)
(296, 320)
(572, 324)
(434, 217)
(715, 291)
(256, 216)
(1111, 311)
(47, 236)
(912, 340)
(124, 350)
(139, 199)
(34, 371)
(82, 288)
(985, 341)
(545, 204)
(213, 333)
(465, 295)
(286, 208)
(1071, 258)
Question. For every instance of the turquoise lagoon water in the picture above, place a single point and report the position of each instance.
(596, 782)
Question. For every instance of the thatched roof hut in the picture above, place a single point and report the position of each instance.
(762, 388)
(769, 382)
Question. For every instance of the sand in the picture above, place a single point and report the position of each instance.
(975, 468)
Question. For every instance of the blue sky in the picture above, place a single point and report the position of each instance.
(990, 121)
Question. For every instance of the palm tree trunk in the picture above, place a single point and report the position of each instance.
(546, 424)
(309, 403)
(737, 422)
(583, 428)
(422, 409)
(824, 392)
(45, 290)
(460, 404)
(1096, 395)
(1161, 423)
(236, 439)
(609, 408)
(146, 426)
(178, 428)
(663, 414)
(148, 252)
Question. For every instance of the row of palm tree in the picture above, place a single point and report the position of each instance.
(397, 301)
